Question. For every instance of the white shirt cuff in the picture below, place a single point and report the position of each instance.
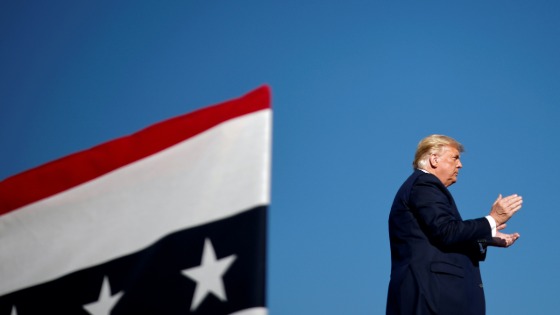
(492, 224)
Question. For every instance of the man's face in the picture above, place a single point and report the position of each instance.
(447, 165)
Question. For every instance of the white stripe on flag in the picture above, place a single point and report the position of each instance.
(252, 311)
(216, 174)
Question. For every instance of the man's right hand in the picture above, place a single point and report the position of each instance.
(504, 208)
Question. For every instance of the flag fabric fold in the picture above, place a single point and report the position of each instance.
(169, 220)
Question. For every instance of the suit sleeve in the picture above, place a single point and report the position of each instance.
(439, 217)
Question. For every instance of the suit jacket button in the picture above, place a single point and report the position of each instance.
(480, 285)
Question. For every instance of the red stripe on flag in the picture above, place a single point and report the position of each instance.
(62, 174)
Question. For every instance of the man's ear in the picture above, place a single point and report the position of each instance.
(433, 160)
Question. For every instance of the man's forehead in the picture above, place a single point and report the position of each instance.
(450, 150)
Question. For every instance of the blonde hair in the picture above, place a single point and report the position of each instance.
(433, 144)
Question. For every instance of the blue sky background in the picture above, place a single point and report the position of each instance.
(356, 85)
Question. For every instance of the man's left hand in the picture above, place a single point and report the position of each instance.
(503, 239)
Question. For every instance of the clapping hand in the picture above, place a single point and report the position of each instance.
(502, 239)
(504, 208)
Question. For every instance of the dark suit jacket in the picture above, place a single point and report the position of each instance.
(435, 254)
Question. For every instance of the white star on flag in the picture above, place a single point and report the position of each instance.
(105, 302)
(14, 310)
(208, 276)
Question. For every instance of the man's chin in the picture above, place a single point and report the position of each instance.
(452, 181)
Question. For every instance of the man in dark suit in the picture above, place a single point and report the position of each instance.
(435, 254)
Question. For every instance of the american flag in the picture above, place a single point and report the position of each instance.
(168, 220)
